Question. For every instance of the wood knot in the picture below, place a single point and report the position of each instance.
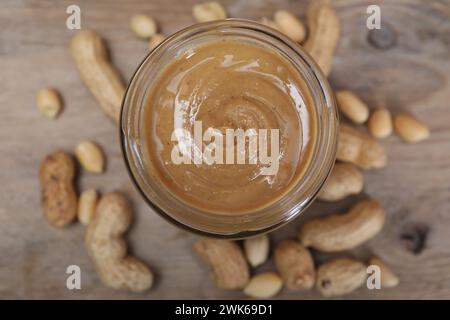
(414, 236)
(384, 38)
(325, 283)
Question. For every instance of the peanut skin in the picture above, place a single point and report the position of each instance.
(107, 248)
(99, 75)
(340, 232)
(227, 261)
(359, 148)
(324, 30)
(345, 180)
(295, 265)
(290, 25)
(59, 199)
(340, 276)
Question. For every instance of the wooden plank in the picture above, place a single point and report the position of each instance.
(415, 187)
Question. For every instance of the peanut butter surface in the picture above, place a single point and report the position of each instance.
(210, 90)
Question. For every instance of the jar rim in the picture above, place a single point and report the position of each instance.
(214, 224)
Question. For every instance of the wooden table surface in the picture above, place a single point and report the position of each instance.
(413, 75)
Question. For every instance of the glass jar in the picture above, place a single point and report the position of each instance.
(200, 221)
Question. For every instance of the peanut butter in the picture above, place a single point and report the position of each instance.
(210, 90)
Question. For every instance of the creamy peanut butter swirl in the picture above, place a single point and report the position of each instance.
(229, 85)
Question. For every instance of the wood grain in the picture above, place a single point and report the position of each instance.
(412, 75)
